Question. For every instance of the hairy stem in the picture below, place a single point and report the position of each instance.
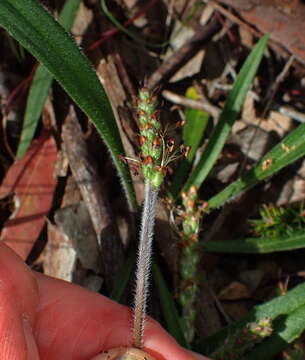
(144, 260)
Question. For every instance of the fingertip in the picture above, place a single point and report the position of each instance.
(76, 321)
(18, 284)
(95, 323)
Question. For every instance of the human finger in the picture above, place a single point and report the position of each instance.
(74, 323)
(18, 299)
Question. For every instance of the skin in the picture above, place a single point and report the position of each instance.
(50, 319)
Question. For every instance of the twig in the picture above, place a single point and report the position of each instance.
(270, 95)
(193, 104)
(233, 18)
(273, 88)
(180, 57)
(289, 111)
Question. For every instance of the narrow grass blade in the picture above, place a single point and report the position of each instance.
(16, 48)
(279, 308)
(40, 86)
(169, 310)
(116, 22)
(286, 152)
(30, 24)
(257, 245)
(193, 130)
(125, 30)
(37, 96)
(229, 115)
(68, 13)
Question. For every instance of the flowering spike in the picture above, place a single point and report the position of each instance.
(150, 139)
(190, 255)
(243, 340)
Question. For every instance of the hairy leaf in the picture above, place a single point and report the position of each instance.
(29, 23)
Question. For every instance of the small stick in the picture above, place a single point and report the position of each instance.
(180, 57)
(193, 104)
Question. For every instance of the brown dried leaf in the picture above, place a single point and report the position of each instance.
(32, 181)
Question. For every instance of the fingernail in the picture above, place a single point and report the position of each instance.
(123, 354)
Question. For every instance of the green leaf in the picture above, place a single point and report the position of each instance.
(37, 96)
(279, 308)
(169, 310)
(228, 116)
(68, 13)
(40, 86)
(286, 330)
(193, 130)
(286, 152)
(30, 24)
(259, 245)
